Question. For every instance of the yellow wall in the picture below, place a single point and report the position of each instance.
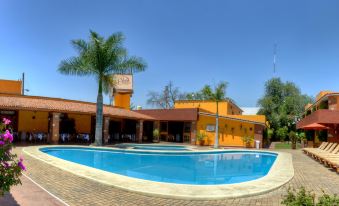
(230, 131)
(256, 118)
(321, 94)
(225, 108)
(10, 87)
(82, 122)
(26, 122)
(122, 100)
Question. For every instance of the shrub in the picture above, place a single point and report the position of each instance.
(156, 134)
(293, 137)
(201, 136)
(282, 133)
(307, 198)
(327, 200)
(298, 198)
(247, 140)
(10, 166)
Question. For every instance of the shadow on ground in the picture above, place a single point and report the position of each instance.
(8, 200)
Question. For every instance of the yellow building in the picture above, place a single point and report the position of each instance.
(190, 117)
(54, 116)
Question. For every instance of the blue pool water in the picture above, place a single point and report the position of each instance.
(213, 168)
(154, 147)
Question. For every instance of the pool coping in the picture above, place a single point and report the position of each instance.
(281, 172)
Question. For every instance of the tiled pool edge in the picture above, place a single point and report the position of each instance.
(281, 173)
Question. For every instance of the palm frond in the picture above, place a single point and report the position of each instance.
(80, 45)
(130, 65)
(75, 66)
(107, 84)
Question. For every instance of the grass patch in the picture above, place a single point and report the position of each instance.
(285, 145)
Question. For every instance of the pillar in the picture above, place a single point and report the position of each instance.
(193, 132)
(156, 125)
(140, 128)
(258, 134)
(55, 120)
(106, 129)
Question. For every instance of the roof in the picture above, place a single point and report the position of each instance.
(323, 96)
(186, 114)
(204, 101)
(36, 103)
(250, 110)
(235, 118)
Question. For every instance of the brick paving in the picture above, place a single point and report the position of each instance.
(76, 190)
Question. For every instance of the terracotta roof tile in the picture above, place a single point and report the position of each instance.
(36, 103)
(189, 114)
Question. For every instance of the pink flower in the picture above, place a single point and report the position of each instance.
(8, 136)
(21, 165)
(2, 143)
(6, 121)
(5, 164)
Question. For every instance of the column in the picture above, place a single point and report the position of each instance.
(156, 125)
(193, 135)
(54, 138)
(140, 128)
(106, 129)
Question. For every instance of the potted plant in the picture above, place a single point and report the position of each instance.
(201, 136)
(293, 138)
(303, 139)
(248, 141)
(156, 135)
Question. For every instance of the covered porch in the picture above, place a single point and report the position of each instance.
(321, 124)
(57, 121)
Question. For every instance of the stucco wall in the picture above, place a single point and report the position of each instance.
(30, 121)
(82, 122)
(230, 132)
(10, 87)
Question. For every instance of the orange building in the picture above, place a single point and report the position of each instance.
(55, 117)
(323, 112)
(190, 117)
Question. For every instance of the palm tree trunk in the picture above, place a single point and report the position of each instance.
(99, 116)
(216, 139)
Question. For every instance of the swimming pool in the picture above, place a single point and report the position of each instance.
(154, 147)
(194, 168)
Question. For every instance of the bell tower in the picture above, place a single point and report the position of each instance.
(123, 90)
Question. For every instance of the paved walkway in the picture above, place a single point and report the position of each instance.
(76, 190)
(28, 194)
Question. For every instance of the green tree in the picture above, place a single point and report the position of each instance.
(101, 58)
(217, 94)
(282, 133)
(282, 104)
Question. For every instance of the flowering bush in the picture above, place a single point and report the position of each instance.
(10, 166)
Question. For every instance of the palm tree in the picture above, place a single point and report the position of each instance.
(217, 95)
(101, 58)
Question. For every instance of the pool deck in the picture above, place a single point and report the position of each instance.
(280, 173)
(76, 190)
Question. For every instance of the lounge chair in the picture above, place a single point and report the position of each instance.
(332, 153)
(312, 151)
(321, 147)
(327, 150)
(333, 162)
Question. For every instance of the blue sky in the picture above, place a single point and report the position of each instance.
(190, 42)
